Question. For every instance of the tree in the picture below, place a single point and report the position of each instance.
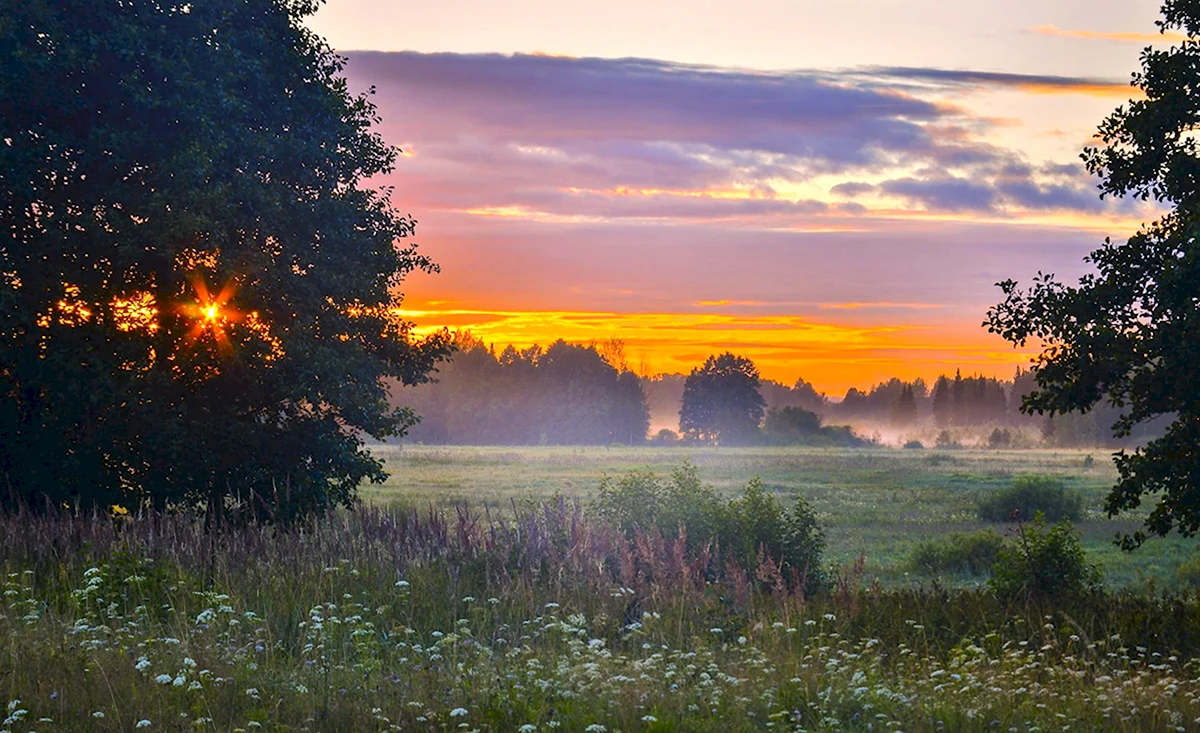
(721, 402)
(904, 408)
(1129, 333)
(197, 297)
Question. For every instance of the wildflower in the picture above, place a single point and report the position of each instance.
(649, 719)
(594, 728)
(143, 723)
(252, 692)
(98, 714)
(458, 712)
(164, 679)
(527, 728)
(142, 664)
(179, 681)
(401, 583)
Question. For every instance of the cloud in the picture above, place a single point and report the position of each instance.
(852, 188)
(943, 193)
(1165, 37)
(1032, 83)
(560, 140)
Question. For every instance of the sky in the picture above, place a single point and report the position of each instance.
(829, 188)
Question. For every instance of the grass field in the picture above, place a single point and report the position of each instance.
(536, 616)
(876, 503)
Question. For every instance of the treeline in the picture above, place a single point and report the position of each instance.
(572, 394)
(567, 394)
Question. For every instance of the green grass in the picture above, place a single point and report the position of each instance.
(874, 503)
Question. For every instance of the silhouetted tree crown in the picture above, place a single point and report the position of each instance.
(1129, 333)
(197, 299)
(721, 401)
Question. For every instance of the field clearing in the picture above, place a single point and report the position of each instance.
(876, 503)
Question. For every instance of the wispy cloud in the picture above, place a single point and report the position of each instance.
(1121, 37)
(1032, 83)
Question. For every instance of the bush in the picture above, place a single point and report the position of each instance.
(745, 530)
(946, 440)
(1188, 573)
(970, 553)
(914, 445)
(666, 436)
(1000, 438)
(1043, 562)
(1029, 495)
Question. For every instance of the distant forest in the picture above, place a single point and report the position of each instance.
(576, 394)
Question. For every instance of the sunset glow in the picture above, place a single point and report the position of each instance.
(835, 200)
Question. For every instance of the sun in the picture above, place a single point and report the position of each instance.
(212, 314)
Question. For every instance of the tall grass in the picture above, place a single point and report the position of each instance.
(539, 619)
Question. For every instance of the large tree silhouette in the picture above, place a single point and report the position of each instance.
(1130, 332)
(197, 298)
(721, 401)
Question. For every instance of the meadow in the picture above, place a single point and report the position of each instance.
(477, 591)
(873, 503)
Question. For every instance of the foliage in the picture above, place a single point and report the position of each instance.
(968, 401)
(914, 445)
(197, 299)
(945, 439)
(1043, 562)
(903, 412)
(567, 394)
(962, 553)
(1000, 438)
(745, 530)
(397, 620)
(796, 426)
(1130, 332)
(665, 436)
(1030, 495)
(721, 401)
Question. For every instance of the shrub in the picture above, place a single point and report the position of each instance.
(1188, 573)
(969, 553)
(914, 445)
(1000, 438)
(746, 530)
(1043, 562)
(946, 440)
(1029, 495)
(666, 436)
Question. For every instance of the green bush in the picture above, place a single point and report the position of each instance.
(914, 445)
(743, 530)
(1188, 573)
(969, 553)
(1029, 495)
(1043, 562)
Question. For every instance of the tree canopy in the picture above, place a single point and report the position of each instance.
(721, 401)
(197, 294)
(567, 394)
(1129, 333)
